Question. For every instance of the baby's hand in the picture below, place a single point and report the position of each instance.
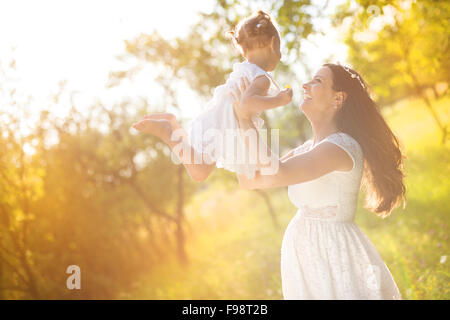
(285, 96)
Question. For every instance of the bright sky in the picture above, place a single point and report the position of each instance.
(79, 40)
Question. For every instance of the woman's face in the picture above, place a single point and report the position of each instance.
(319, 96)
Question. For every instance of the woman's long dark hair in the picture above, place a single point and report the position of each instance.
(361, 118)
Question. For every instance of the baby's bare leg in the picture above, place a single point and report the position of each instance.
(198, 171)
(165, 116)
(156, 124)
(157, 127)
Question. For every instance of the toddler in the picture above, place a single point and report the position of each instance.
(213, 139)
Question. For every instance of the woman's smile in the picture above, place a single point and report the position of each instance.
(306, 96)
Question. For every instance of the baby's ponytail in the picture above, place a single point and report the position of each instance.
(255, 31)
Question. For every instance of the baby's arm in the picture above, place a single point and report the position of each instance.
(255, 99)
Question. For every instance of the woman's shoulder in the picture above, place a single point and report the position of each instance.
(348, 143)
(304, 147)
(343, 139)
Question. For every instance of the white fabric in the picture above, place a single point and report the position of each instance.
(324, 254)
(219, 115)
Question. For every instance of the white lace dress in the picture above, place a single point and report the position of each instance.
(214, 132)
(324, 254)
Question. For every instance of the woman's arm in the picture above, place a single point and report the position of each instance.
(287, 155)
(323, 159)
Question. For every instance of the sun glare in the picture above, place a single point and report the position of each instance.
(78, 40)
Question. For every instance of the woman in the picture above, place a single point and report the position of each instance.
(324, 254)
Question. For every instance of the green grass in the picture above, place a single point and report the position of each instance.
(234, 248)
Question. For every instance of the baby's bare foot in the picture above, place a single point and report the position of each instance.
(166, 116)
(160, 128)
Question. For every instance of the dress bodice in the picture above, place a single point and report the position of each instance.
(333, 196)
(251, 71)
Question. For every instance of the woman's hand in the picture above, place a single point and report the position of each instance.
(237, 93)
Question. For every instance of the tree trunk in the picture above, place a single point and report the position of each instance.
(268, 203)
(32, 287)
(2, 292)
(442, 127)
(262, 193)
(418, 88)
(181, 252)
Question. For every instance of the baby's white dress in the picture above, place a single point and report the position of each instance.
(214, 132)
(324, 254)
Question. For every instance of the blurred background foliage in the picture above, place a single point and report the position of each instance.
(94, 193)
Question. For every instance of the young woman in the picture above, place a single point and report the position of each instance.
(324, 254)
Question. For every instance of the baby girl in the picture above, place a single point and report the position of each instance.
(210, 141)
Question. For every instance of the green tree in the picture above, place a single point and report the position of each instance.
(89, 194)
(408, 56)
(21, 185)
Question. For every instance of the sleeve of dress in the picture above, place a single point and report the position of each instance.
(349, 145)
(303, 147)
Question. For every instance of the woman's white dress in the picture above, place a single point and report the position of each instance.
(324, 254)
(215, 132)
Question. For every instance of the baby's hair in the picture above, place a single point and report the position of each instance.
(255, 31)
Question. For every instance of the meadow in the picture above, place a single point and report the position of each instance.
(80, 187)
(234, 247)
